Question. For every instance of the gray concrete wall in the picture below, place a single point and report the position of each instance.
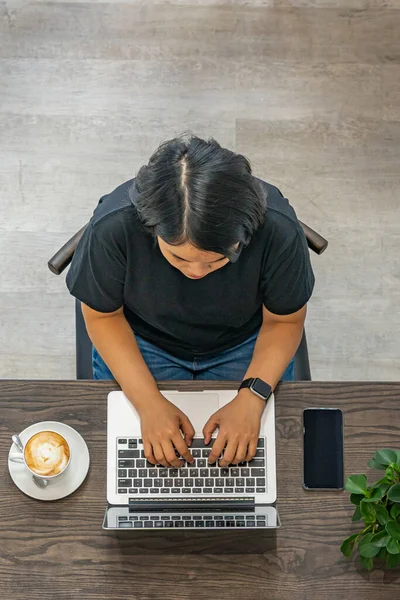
(309, 90)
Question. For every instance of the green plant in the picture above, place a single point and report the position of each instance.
(378, 506)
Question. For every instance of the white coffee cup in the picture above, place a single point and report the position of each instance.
(46, 454)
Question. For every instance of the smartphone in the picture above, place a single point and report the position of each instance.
(323, 449)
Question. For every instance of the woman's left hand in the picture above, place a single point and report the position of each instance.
(239, 426)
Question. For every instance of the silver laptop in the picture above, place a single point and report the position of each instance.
(200, 496)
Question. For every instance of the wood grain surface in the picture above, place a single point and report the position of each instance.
(58, 550)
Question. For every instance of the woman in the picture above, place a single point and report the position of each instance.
(193, 270)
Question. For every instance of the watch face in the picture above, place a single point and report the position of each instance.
(261, 388)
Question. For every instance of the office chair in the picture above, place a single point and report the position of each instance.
(62, 259)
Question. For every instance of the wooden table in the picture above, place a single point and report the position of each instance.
(58, 551)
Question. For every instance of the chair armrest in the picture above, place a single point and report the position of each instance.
(315, 241)
(64, 255)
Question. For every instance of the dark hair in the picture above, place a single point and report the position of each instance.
(194, 190)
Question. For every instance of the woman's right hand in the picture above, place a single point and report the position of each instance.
(162, 425)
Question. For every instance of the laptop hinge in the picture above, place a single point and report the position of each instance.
(204, 504)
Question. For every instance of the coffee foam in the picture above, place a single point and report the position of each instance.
(47, 453)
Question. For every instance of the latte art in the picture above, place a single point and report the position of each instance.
(47, 453)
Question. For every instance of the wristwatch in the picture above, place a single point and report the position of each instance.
(258, 387)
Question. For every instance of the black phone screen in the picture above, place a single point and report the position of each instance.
(323, 448)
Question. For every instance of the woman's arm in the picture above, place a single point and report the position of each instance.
(115, 341)
(161, 421)
(239, 420)
(277, 342)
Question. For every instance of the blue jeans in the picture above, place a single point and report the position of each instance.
(230, 365)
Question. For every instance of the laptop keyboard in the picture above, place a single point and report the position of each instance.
(135, 475)
(151, 521)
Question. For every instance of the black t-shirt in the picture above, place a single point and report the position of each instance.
(118, 263)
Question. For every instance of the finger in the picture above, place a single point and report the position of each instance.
(148, 452)
(229, 454)
(170, 455)
(209, 428)
(218, 446)
(251, 450)
(159, 454)
(180, 445)
(187, 429)
(241, 452)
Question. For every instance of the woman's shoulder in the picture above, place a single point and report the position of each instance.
(116, 212)
(279, 209)
(281, 224)
(115, 223)
(111, 205)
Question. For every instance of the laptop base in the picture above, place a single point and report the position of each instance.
(192, 541)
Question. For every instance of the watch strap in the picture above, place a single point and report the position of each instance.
(247, 383)
(252, 383)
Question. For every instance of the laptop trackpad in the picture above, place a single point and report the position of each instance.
(197, 406)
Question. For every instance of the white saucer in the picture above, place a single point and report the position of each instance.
(62, 486)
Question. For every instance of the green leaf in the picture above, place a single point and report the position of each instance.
(379, 483)
(393, 561)
(394, 493)
(398, 457)
(389, 473)
(381, 514)
(356, 515)
(393, 529)
(368, 512)
(356, 484)
(395, 511)
(369, 551)
(382, 554)
(378, 493)
(380, 539)
(385, 456)
(371, 500)
(356, 498)
(348, 545)
(381, 490)
(375, 465)
(367, 563)
(366, 548)
(393, 547)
